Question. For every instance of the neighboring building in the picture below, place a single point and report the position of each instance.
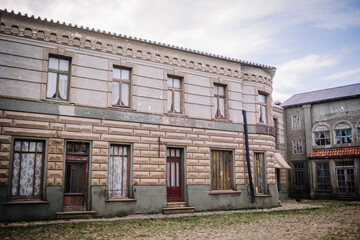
(282, 167)
(111, 124)
(323, 142)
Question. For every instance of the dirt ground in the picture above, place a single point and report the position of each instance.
(334, 220)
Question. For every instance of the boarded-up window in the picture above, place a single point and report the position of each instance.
(221, 170)
(260, 175)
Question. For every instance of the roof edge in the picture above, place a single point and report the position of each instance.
(270, 69)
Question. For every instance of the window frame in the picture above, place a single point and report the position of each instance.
(321, 180)
(295, 122)
(121, 82)
(322, 139)
(260, 106)
(173, 90)
(58, 72)
(41, 196)
(217, 99)
(231, 169)
(297, 146)
(129, 193)
(264, 173)
(342, 137)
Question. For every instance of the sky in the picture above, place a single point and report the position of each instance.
(314, 44)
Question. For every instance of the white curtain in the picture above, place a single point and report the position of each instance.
(63, 86)
(125, 94)
(177, 101)
(115, 92)
(222, 107)
(169, 100)
(51, 85)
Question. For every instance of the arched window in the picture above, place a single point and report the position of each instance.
(343, 133)
(321, 135)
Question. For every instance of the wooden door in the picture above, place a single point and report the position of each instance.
(76, 174)
(174, 175)
(298, 179)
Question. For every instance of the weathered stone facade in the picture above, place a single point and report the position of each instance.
(327, 166)
(146, 127)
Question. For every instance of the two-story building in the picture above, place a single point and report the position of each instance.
(323, 142)
(108, 124)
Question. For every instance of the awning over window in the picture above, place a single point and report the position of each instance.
(280, 162)
(335, 152)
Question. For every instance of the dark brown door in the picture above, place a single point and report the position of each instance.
(173, 175)
(298, 179)
(77, 157)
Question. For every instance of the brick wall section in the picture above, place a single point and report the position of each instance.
(148, 166)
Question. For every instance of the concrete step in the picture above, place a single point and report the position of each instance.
(75, 214)
(175, 210)
(176, 204)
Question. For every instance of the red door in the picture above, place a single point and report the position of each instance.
(77, 157)
(173, 175)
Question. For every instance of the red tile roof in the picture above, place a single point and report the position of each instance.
(335, 152)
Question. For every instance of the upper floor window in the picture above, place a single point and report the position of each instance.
(58, 78)
(276, 132)
(27, 169)
(219, 101)
(322, 138)
(343, 136)
(262, 108)
(121, 87)
(295, 122)
(297, 146)
(174, 95)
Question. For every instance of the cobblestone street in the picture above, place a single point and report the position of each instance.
(308, 220)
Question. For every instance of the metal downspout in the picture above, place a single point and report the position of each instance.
(248, 157)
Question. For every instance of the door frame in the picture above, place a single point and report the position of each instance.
(88, 184)
(182, 173)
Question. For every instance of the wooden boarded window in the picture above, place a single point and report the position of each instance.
(221, 170)
(260, 173)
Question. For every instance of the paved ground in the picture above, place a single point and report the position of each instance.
(308, 220)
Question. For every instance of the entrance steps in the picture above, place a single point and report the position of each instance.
(75, 214)
(177, 207)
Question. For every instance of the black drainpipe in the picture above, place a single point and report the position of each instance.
(248, 157)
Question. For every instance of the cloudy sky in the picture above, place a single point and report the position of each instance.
(314, 44)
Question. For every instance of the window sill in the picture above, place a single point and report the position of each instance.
(221, 119)
(219, 192)
(24, 202)
(175, 114)
(263, 195)
(128, 109)
(121, 200)
(56, 100)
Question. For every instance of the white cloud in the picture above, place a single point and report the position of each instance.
(290, 73)
(345, 74)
